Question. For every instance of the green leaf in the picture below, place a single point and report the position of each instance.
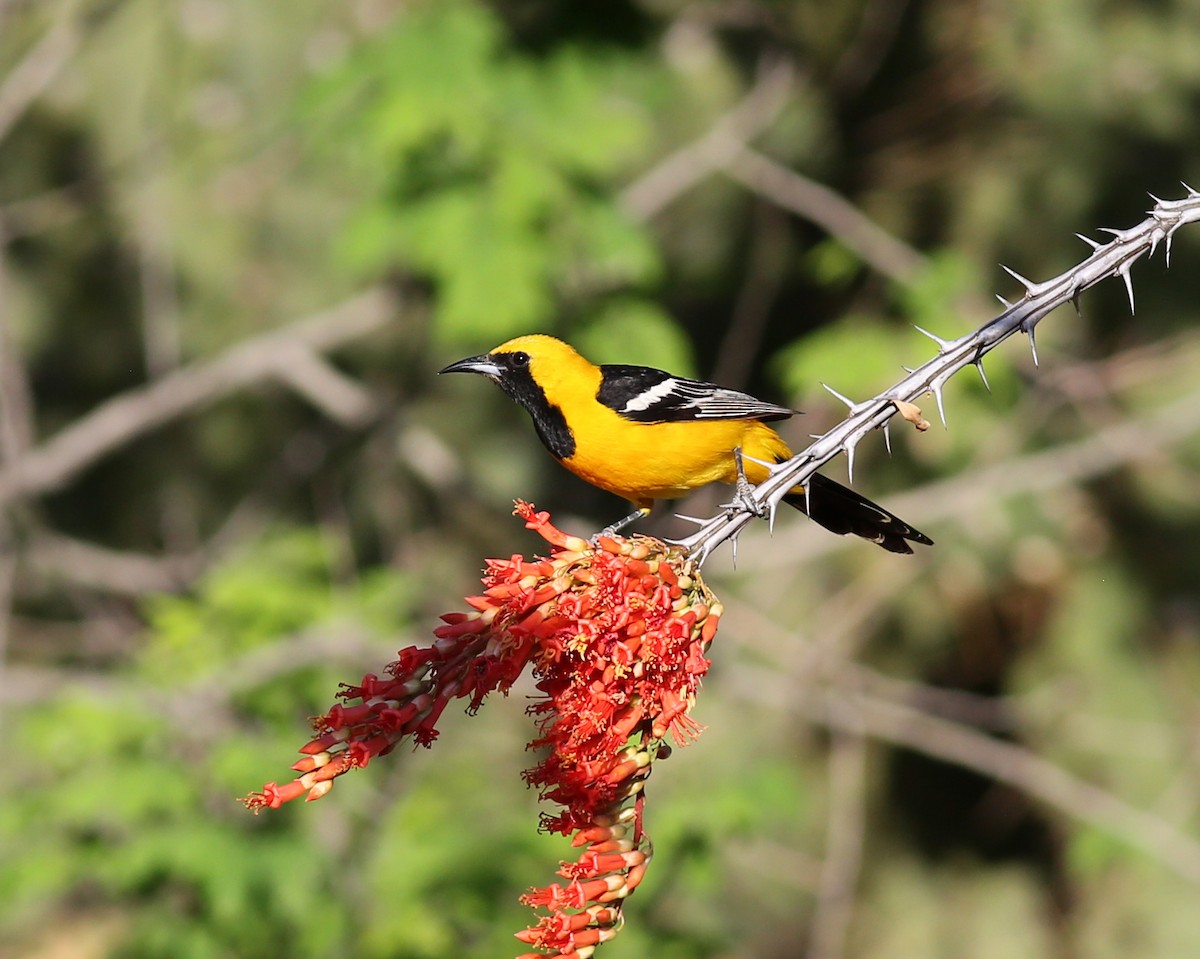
(638, 332)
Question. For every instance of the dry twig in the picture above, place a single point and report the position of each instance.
(289, 355)
(844, 843)
(680, 171)
(849, 709)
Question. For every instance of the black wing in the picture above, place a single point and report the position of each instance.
(646, 395)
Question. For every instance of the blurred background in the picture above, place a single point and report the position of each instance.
(237, 240)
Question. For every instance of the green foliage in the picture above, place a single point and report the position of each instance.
(625, 331)
(494, 167)
(138, 779)
(209, 170)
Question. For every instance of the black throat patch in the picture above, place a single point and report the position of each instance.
(548, 419)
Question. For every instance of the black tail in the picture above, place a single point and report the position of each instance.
(841, 510)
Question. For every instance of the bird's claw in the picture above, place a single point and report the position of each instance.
(613, 528)
(743, 492)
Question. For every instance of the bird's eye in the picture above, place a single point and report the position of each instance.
(520, 358)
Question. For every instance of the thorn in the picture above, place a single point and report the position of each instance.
(1157, 201)
(1124, 273)
(943, 345)
(733, 543)
(1170, 237)
(887, 437)
(1032, 344)
(1155, 236)
(936, 390)
(1030, 286)
(773, 506)
(1075, 302)
(982, 374)
(691, 519)
(1003, 302)
(847, 401)
(1119, 234)
(849, 448)
(1191, 190)
(769, 466)
(1089, 241)
(907, 369)
(808, 499)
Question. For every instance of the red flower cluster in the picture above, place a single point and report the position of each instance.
(616, 635)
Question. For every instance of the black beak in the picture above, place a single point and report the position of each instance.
(483, 363)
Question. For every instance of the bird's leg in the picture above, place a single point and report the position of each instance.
(640, 513)
(743, 496)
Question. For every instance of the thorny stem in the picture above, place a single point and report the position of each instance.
(1114, 258)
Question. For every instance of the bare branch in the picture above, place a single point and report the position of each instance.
(723, 148)
(1017, 766)
(115, 571)
(336, 395)
(1063, 465)
(345, 644)
(816, 202)
(8, 571)
(878, 26)
(160, 298)
(680, 171)
(844, 843)
(1111, 259)
(55, 462)
(768, 258)
(29, 79)
(16, 398)
(849, 709)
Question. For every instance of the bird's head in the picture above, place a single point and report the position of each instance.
(519, 364)
(540, 373)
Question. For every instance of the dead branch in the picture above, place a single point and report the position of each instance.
(843, 843)
(833, 213)
(29, 79)
(845, 708)
(678, 172)
(55, 462)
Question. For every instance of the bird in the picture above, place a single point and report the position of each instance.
(648, 435)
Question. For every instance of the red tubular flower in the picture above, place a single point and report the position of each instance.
(616, 635)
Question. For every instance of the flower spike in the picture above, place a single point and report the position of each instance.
(615, 634)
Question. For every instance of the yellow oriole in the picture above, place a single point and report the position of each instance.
(647, 435)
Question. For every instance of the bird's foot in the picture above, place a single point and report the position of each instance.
(743, 492)
(614, 528)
